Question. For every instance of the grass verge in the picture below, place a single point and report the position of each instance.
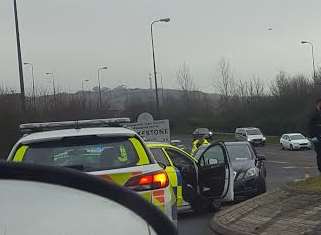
(309, 184)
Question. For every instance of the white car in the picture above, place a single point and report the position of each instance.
(250, 134)
(293, 141)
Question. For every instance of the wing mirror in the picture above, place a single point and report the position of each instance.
(260, 157)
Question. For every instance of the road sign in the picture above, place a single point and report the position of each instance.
(145, 117)
(156, 131)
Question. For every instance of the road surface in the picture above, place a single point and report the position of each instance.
(282, 166)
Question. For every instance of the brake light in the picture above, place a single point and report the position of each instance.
(150, 181)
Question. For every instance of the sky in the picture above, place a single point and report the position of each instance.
(71, 38)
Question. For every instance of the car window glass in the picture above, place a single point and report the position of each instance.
(87, 154)
(178, 159)
(159, 156)
(239, 152)
(297, 137)
(215, 153)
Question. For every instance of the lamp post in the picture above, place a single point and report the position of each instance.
(99, 84)
(82, 84)
(313, 64)
(53, 84)
(154, 63)
(33, 83)
(22, 87)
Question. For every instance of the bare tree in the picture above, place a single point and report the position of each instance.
(225, 81)
(184, 79)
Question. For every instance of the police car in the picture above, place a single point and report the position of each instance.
(198, 184)
(96, 147)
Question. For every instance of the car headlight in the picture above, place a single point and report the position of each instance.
(251, 172)
(264, 139)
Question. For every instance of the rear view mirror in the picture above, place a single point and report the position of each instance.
(212, 161)
(81, 205)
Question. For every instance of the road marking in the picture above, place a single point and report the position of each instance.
(289, 167)
(277, 162)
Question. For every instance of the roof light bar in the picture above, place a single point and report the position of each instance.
(46, 126)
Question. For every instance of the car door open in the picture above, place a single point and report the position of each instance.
(215, 173)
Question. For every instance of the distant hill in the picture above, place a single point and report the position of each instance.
(118, 97)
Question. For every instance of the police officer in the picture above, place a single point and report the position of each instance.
(198, 142)
(315, 130)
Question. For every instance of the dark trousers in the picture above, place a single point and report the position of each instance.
(317, 148)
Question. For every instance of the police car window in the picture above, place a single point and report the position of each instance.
(86, 154)
(215, 153)
(178, 158)
(159, 156)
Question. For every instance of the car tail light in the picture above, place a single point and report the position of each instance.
(149, 181)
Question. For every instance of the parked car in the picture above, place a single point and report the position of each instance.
(248, 166)
(200, 184)
(97, 147)
(295, 141)
(251, 134)
(203, 132)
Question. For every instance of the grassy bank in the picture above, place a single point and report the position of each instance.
(309, 184)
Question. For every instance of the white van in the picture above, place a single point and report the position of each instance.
(250, 134)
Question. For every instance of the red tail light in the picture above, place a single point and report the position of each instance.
(153, 180)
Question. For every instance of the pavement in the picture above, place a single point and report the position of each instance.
(282, 211)
(282, 167)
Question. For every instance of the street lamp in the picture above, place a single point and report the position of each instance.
(53, 84)
(22, 87)
(154, 63)
(313, 64)
(99, 85)
(82, 84)
(33, 83)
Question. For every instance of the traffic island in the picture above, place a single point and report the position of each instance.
(292, 209)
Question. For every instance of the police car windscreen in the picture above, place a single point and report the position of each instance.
(86, 154)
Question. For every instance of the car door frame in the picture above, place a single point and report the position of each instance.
(228, 191)
(191, 158)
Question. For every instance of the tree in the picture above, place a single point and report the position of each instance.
(224, 83)
(184, 79)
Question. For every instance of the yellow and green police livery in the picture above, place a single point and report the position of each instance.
(115, 154)
(166, 154)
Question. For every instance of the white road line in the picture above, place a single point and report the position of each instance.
(289, 167)
(277, 162)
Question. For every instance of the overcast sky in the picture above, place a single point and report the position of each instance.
(72, 37)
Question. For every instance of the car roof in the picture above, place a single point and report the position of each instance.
(290, 134)
(236, 143)
(58, 134)
(157, 144)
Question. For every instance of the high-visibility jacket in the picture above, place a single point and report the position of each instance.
(197, 143)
